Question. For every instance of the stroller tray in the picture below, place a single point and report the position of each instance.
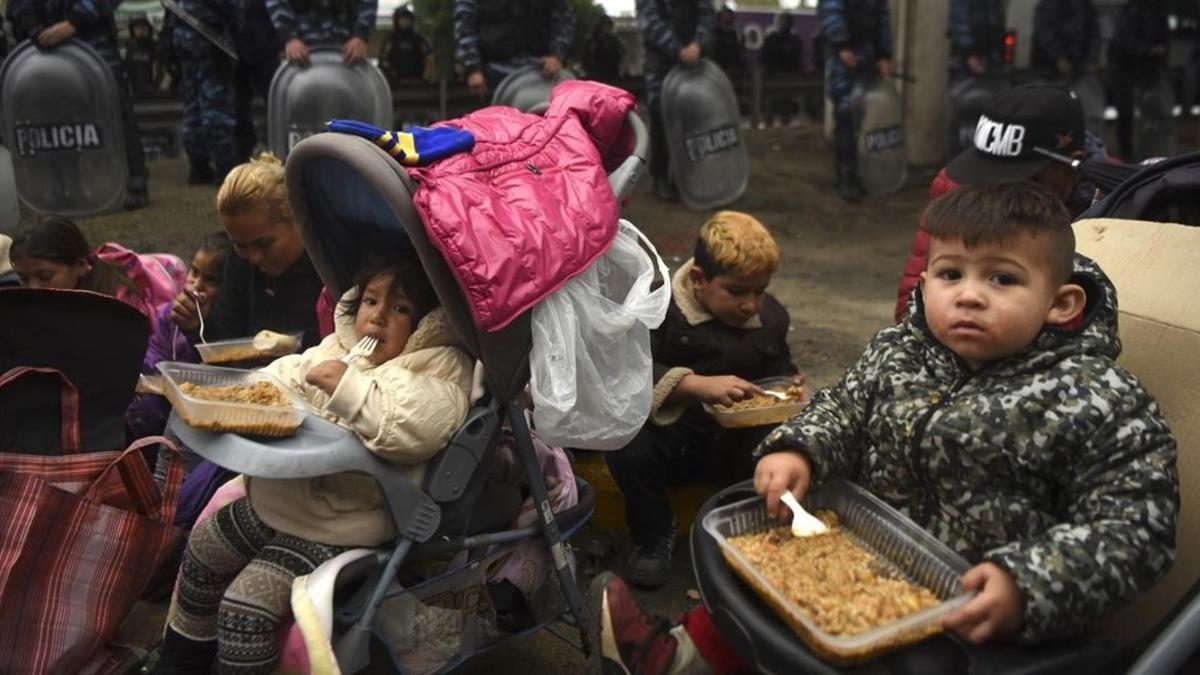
(227, 416)
(902, 548)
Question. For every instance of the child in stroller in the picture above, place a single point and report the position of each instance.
(403, 401)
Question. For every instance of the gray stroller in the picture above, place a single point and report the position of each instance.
(345, 191)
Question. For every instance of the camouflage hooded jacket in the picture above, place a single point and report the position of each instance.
(1053, 463)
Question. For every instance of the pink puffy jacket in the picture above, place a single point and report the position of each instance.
(530, 206)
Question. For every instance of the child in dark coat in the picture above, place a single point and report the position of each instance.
(721, 332)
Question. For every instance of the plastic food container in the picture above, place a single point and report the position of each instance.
(897, 542)
(241, 351)
(242, 418)
(762, 415)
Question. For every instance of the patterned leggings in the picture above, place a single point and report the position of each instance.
(235, 585)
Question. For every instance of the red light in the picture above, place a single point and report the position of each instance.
(1010, 47)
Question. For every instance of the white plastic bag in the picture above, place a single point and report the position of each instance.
(591, 369)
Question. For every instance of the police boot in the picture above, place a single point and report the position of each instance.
(137, 195)
(199, 171)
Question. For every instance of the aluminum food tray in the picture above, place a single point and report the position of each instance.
(243, 418)
(896, 541)
(241, 350)
(761, 416)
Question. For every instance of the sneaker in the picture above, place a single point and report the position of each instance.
(650, 566)
(625, 640)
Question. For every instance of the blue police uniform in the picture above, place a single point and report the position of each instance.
(1066, 29)
(865, 27)
(977, 29)
(206, 82)
(322, 22)
(667, 26)
(498, 37)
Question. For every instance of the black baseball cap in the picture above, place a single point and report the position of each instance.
(1013, 123)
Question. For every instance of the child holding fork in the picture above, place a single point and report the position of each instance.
(404, 399)
(147, 415)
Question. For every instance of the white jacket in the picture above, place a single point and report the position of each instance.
(405, 410)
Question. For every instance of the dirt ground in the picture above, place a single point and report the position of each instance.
(838, 279)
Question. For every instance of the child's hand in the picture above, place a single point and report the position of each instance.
(326, 375)
(997, 613)
(184, 312)
(716, 389)
(781, 471)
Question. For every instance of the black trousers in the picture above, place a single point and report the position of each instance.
(686, 451)
(249, 79)
(135, 157)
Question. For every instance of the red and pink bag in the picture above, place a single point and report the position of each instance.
(82, 535)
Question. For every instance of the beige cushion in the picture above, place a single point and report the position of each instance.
(1156, 269)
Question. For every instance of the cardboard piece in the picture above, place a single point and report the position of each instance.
(1156, 269)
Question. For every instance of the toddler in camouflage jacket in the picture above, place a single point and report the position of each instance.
(996, 417)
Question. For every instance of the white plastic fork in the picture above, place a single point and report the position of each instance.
(364, 348)
(777, 394)
(804, 524)
(199, 315)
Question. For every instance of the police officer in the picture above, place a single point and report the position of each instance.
(727, 47)
(602, 53)
(858, 37)
(258, 47)
(206, 81)
(303, 24)
(405, 55)
(493, 38)
(1137, 53)
(782, 56)
(672, 33)
(141, 56)
(50, 22)
(976, 38)
(1064, 37)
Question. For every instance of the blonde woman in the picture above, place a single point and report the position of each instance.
(270, 283)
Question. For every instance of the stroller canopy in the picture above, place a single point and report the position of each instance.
(346, 195)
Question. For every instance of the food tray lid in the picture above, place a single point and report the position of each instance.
(884, 531)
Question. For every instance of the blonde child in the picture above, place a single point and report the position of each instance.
(722, 330)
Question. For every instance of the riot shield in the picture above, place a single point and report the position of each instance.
(1155, 131)
(10, 210)
(303, 99)
(61, 114)
(709, 163)
(879, 129)
(1090, 91)
(525, 88)
(967, 97)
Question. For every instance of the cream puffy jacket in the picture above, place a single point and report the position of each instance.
(404, 410)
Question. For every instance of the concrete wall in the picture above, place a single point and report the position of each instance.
(922, 55)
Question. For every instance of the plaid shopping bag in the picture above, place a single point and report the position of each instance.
(81, 535)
